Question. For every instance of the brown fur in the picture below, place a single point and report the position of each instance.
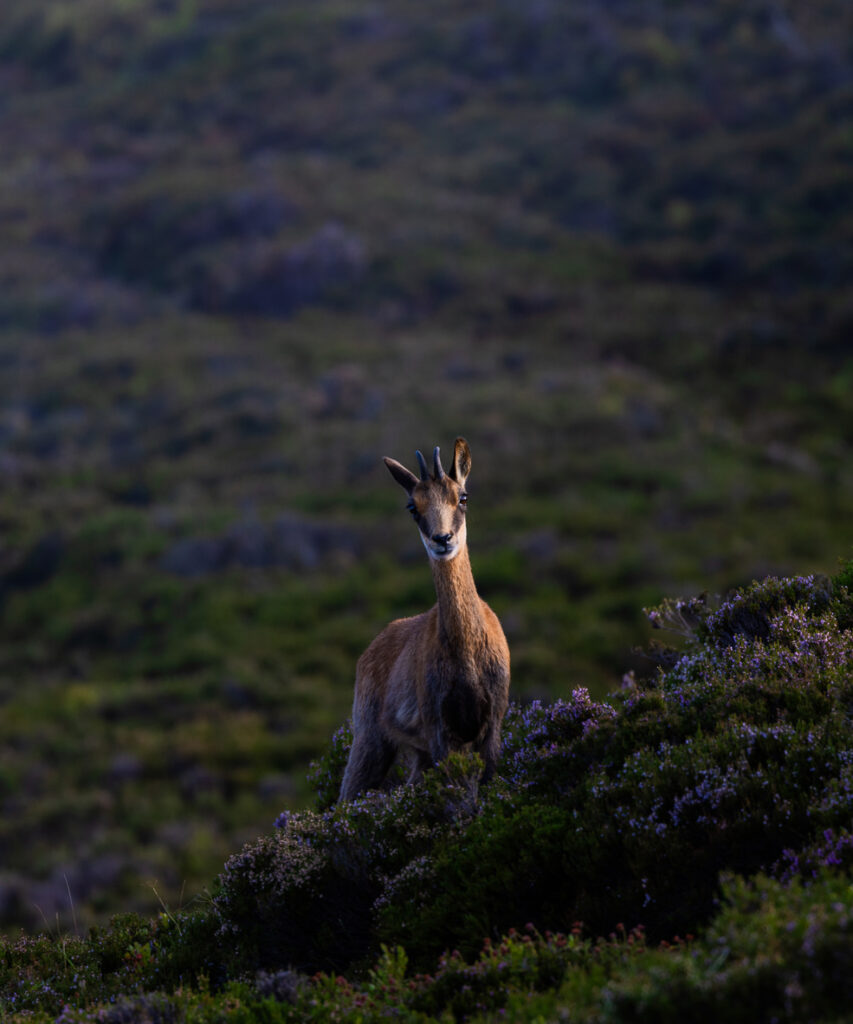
(438, 681)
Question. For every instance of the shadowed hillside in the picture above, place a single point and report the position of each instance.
(247, 250)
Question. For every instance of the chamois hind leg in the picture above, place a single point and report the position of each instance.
(489, 750)
(370, 758)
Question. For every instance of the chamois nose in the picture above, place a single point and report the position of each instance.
(442, 538)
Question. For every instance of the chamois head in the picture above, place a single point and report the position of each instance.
(437, 500)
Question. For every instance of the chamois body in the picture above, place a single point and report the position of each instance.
(438, 681)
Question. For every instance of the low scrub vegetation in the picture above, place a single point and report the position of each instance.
(698, 822)
(249, 249)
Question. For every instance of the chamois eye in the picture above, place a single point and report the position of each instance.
(463, 500)
(411, 508)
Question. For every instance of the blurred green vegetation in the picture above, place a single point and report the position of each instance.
(247, 250)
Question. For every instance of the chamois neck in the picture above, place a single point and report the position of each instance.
(460, 611)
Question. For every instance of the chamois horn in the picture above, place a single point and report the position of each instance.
(422, 465)
(438, 472)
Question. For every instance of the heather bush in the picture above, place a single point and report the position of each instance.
(45, 973)
(185, 948)
(742, 750)
(326, 773)
(782, 953)
(737, 758)
(773, 952)
(304, 895)
(833, 849)
(842, 603)
(750, 611)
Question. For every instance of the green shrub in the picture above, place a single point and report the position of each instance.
(735, 759)
(326, 773)
(739, 758)
(303, 896)
(44, 973)
(185, 949)
(843, 595)
(773, 953)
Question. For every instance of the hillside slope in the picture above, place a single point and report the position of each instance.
(247, 250)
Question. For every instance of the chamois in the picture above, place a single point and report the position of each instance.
(438, 681)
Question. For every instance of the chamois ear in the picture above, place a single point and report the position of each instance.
(402, 475)
(461, 461)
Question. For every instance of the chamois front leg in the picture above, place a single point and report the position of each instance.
(420, 762)
(436, 732)
(438, 746)
(370, 758)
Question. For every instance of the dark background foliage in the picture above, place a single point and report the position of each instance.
(248, 249)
